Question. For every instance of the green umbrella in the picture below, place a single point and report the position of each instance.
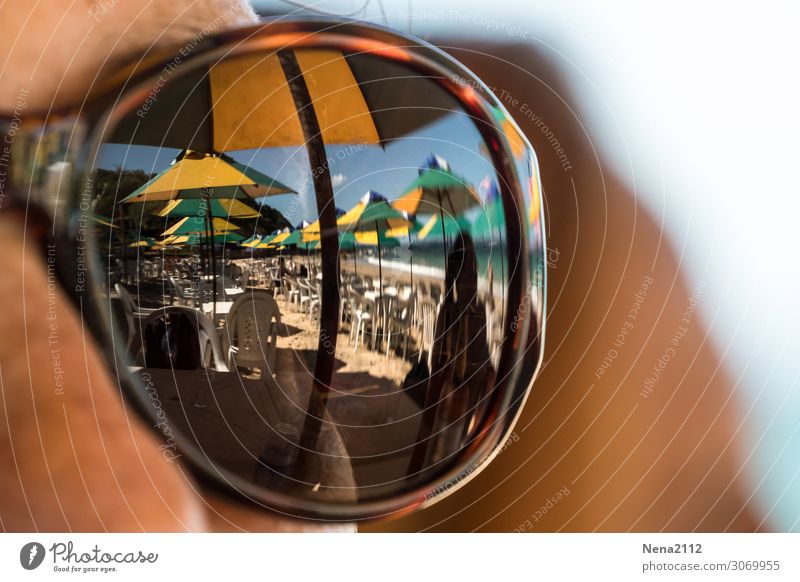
(198, 175)
(428, 194)
(294, 239)
(308, 245)
(146, 243)
(377, 217)
(432, 189)
(222, 238)
(198, 225)
(433, 227)
(220, 208)
(252, 241)
(347, 241)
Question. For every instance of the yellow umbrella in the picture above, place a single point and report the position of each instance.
(231, 102)
(190, 225)
(311, 232)
(353, 216)
(434, 188)
(196, 175)
(252, 242)
(241, 114)
(272, 242)
(101, 220)
(175, 240)
(229, 207)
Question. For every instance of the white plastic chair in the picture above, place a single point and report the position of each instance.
(251, 331)
(208, 340)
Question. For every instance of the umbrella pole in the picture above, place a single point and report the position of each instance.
(410, 259)
(213, 259)
(380, 287)
(124, 243)
(444, 240)
(329, 242)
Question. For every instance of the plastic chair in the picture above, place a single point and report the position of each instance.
(425, 324)
(208, 340)
(251, 331)
(363, 315)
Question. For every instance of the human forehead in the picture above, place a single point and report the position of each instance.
(53, 52)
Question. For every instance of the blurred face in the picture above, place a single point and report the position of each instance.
(72, 456)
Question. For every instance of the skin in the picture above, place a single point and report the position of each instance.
(75, 459)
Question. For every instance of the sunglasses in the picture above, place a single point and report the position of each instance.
(312, 252)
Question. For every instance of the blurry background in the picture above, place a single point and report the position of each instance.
(667, 138)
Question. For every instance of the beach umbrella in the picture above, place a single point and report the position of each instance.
(275, 239)
(101, 220)
(146, 242)
(195, 239)
(209, 228)
(227, 106)
(435, 187)
(352, 215)
(220, 207)
(433, 227)
(198, 175)
(311, 232)
(251, 242)
(307, 97)
(292, 239)
(206, 176)
(348, 242)
(375, 217)
(198, 225)
(308, 245)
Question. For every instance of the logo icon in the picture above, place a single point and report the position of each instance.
(31, 555)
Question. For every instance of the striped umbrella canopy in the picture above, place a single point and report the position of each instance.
(227, 105)
(376, 238)
(146, 242)
(197, 175)
(102, 220)
(435, 189)
(452, 227)
(352, 215)
(220, 207)
(292, 239)
(273, 240)
(347, 241)
(196, 239)
(198, 225)
(375, 217)
(308, 245)
(251, 242)
(311, 232)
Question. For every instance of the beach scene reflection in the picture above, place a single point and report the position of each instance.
(321, 316)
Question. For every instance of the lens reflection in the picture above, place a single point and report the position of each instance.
(306, 261)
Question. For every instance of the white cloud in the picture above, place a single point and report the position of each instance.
(338, 179)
